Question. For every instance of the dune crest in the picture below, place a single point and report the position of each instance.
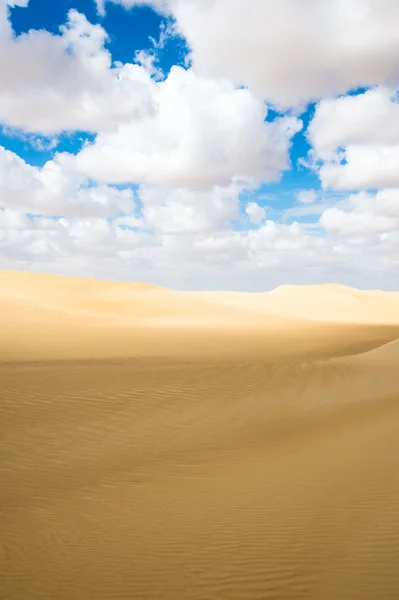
(329, 302)
(50, 316)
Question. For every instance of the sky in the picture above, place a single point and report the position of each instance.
(201, 144)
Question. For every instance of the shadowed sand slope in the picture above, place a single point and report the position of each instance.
(195, 446)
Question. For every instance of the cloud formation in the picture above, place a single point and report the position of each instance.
(290, 52)
(256, 214)
(168, 190)
(189, 211)
(365, 216)
(355, 140)
(306, 196)
(66, 82)
(203, 132)
(159, 5)
(51, 190)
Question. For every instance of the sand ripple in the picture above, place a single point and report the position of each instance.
(222, 479)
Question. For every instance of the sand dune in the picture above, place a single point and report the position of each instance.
(164, 445)
(140, 302)
(49, 317)
(331, 303)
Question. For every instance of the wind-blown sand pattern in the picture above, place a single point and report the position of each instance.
(161, 445)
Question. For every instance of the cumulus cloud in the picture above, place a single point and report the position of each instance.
(362, 167)
(290, 51)
(255, 213)
(112, 250)
(355, 140)
(52, 83)
(50, 190)
(195, 142)
(257, 260)
(365, 216)
(370, 118)
(189, 211)
(13, 3)
(276, 236)
(39, 239)
(306, 196)
(204, 132)
(159, 5)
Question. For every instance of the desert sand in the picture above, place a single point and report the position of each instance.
(163, 445)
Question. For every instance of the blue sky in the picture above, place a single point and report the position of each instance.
(161, 154)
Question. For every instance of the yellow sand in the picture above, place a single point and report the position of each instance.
(179, 445)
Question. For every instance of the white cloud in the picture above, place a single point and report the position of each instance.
(306, 196)
(147, 59)
(189, 211)
(13, 3)
(366, 216)
(13, 220)
(51, 190)
(259, 259)
(159, 5)
(363, 167)
(255, 213)
(371, 118)
(51, 83)
(355, 140)
(290, 51)
(204, 133)
(280, 237)
(195, 141)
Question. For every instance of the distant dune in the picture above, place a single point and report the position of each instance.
(166, 445)
(49, 316)
(329, 303)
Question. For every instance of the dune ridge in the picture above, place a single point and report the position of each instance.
(197, 445)
(328, 302)
(50, 316)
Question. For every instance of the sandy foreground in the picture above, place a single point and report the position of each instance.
(160, 445)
